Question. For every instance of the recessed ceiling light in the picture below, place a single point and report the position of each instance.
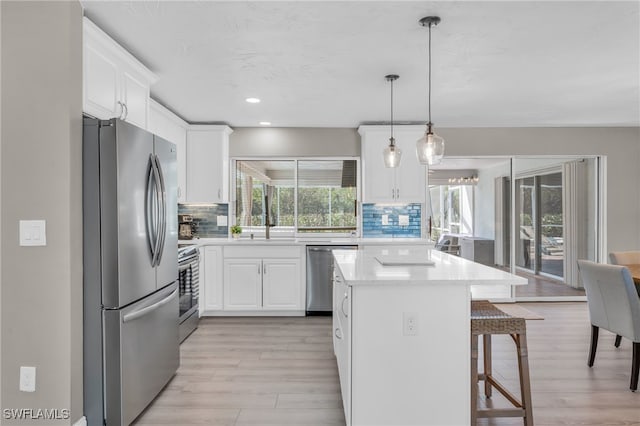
(265, 123)
(253, 100)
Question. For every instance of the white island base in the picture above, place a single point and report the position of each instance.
(402, 337)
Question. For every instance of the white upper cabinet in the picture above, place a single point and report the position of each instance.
(115, 84)
(403, 184)
(169, 126)
(208, 164)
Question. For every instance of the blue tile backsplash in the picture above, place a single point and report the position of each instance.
(205, 217)
(372, 215)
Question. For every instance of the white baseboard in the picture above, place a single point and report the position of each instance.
(252, 314)
(81, 422)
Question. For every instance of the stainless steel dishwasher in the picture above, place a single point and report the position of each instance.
(319, 278)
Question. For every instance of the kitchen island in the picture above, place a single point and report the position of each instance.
(401, 334)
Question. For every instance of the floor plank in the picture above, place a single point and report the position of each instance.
(282, 371)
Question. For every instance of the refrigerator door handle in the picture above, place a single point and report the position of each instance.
(158, 212)
(163, 210)
(149, 219)
(147, 309)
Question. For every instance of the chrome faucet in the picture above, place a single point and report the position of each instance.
(267, 218)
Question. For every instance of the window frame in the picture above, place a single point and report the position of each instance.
(292, 231)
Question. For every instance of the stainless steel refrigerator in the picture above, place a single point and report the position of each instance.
(131, 347)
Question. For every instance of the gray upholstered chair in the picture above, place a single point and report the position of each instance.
(613, 305)
(625, 257)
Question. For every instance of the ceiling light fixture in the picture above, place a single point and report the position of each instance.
(464, 179)
(392, 153)
(265, 123)
(430, 148)
(253, 100)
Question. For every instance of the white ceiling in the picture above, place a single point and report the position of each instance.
(322, 64)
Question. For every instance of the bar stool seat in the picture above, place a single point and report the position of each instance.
(487, 320)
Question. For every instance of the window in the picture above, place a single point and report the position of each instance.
(263, 186)
(451, 210)
(327, 195)
(307, 196)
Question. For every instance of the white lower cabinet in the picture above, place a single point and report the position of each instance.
(280, 288)
(212, 277)
(342, 339)
(243, 284)
(390, 375)
(253, 280)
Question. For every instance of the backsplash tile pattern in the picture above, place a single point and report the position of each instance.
(205, 217)
(372, 218)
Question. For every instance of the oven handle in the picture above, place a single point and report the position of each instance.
(185, 267)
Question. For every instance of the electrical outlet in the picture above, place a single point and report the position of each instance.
(410, 324)
(27, 379)
(385, 219)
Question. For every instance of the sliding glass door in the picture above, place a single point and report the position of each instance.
(540, 221)
(526, 237)
(550, 224)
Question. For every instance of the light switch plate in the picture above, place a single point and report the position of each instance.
(27, 379)
(403, 220)
(385, 219)
(33, 233)
(221, 220)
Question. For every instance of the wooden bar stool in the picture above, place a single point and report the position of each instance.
(487, 320)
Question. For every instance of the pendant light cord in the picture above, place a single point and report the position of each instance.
(429, 92)
(392, 139)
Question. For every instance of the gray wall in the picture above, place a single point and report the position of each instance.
(620, 145)
(40, 171)
(296, 142)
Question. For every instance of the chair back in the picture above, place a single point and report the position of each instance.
(611, 295)
(625, 257)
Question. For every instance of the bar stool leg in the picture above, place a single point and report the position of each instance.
(474, 379)
(488, 371)
(525, 382)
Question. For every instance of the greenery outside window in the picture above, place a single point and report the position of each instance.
(304, 196)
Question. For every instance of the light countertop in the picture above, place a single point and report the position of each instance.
(307, 241)
(360, 267)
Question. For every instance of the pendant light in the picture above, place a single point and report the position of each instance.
(392, 153)
(430, 147)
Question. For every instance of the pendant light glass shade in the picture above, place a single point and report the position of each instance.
(392, 154)
(430, 148)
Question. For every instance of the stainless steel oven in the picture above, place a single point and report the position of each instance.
(188, 289)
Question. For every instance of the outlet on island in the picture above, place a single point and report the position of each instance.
(410, 323)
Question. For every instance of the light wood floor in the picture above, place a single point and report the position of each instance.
(540, 286)
(281, 371)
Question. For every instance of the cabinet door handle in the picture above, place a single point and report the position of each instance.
(393, 193)
(126, 111)
(397, 193)
(346, 296)
(338, 333)
(259, 269)
(121, 115)
(179, 192)
(219, 197)
(264, 269)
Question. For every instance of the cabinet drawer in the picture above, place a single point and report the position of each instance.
(264, 252)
